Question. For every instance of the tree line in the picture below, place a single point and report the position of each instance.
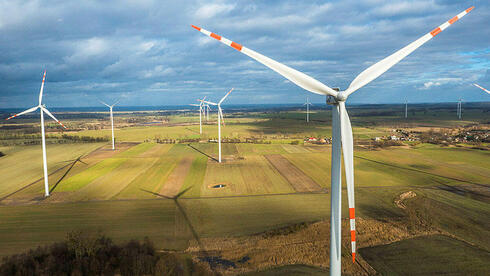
(96, 254)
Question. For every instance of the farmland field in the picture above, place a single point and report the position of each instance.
(177, 193)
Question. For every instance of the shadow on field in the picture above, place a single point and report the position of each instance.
(184, 214)
(79, 159)
(201, 152)
(40, 179)
(191, 130)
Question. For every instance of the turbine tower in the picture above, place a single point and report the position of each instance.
(460, 109)
(220, 120)
(42, 108)
(112, 120)
(307, 109)
(341, 126)
(406, 108)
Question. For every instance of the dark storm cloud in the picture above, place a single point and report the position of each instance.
(146, 53)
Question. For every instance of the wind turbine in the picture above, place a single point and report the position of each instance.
(220, 120)
(481, 88)
(341, 126)
(43, 110)
(307, 109)
(112, 119)
(460, 108)
(200, 112)
(207, 109)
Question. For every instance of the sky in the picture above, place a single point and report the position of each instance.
(145, 52)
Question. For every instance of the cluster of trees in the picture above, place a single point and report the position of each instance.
(386, 143)
(9, 139)
(85, 139)
(88, 254)
(166, 141)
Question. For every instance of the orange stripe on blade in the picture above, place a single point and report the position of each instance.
(236, 46)
(195, 27)
(213, 35)
(353, 257)
(352, 213)
(454, 19)
(435, 32)
(469, 9)
(353, 235)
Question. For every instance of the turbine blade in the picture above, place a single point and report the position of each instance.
(118, 100)
(222, 99)
(24, 112)
(348, 152)
(42, 88)
(302, 80)
(52, 116)
(104, 103)
(382, 66)
(481, 88)
(211, 103)
(221, 115)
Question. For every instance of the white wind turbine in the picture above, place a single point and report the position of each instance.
(341, 127)
(201, 105)
(307, 109)
(112, 120)
(43, 110)
(220, 120)
(481, 88)
(207, 109)
(460, 108)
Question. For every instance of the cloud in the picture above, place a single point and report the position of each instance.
(439, 82)
(87, 49)
(211, 10)
(430, 84)
(394, 8)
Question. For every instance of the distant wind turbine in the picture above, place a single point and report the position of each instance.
(207, 109)
(43, 110)
(460, 109)
(220, 120)
(201, 106)
(112, 120)
(341, 126)
(307, 109)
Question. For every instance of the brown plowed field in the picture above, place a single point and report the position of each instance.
(176, 179)
(297, 178)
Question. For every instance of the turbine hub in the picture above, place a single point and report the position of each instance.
(333, 100)
(341, 97)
